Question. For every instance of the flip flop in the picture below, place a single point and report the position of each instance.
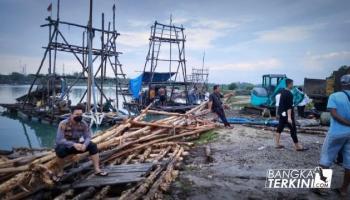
(57, 178)
(279, 147)
(101, 173)
(303, 149)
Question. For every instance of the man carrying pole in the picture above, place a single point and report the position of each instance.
(215, 104)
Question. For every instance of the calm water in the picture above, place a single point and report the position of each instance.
(15, 132)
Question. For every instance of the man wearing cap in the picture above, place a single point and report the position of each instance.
(338, 137)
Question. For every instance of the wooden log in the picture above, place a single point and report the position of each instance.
(165, 113)
(143, 112)
(203, 129)
(115, 132)
(170, 176)
(164, 177)
(130, 157)
(102, 193)
(145, 154)
(162, 154)
(23, 194)
(117, 140)
(86, 194)
(160, 125)
(22, 168)
(22, 160)
(140, 190)
(67, 194)
(165, 144)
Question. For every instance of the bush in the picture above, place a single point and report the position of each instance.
(232, 86)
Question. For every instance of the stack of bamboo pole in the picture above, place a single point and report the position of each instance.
(134, 141)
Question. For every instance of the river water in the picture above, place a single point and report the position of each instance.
(15, 132)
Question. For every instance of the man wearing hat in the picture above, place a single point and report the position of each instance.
(338, 137)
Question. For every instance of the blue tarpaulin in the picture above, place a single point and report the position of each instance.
(252, 121)
(135, 86)
(136, 83)
(157, 76)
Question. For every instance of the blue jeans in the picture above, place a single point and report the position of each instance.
(332, 145)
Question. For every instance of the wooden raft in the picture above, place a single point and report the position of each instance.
(117, 174)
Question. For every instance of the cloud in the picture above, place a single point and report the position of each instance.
(201, 39)
(215, 24)
(258, 65)
(134, 38)
(285, 34)
(138, 23)
(321, 65)
(331, 55)
(200, 33)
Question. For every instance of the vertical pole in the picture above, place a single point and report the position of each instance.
(83, 55)
(171, 21)
(102, 59)
(90, 63)
(54, 60)
(50, 31)
(58, 9)
(152, 56)
(114, 35)
(49, 46)
(184, 68)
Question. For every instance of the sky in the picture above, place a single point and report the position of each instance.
(242, 39)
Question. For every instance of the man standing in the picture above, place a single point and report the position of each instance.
(286, 117)
(215, 104)
(74, 137)
(338, 137)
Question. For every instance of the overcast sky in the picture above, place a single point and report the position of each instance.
(243, 39)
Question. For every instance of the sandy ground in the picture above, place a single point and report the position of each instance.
(241, 157)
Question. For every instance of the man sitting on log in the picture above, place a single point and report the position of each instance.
(74, 137)
(215, 104)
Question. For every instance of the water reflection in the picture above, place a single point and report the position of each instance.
(15, 132)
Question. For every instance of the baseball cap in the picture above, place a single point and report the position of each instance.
(345, 79)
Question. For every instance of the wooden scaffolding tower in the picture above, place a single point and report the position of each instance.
(107, 56)
(170, 40)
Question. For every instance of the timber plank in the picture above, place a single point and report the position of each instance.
(118, 174)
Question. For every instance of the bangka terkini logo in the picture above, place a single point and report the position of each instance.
(299, 178)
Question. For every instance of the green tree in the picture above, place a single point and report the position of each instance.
(232, 86)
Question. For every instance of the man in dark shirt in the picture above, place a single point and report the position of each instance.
(286, 117)
(215, 104)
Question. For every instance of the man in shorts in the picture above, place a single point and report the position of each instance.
(338, 137)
